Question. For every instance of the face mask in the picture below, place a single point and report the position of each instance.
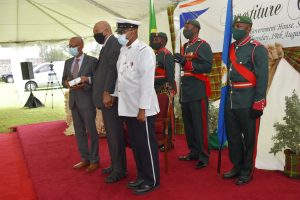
(155, 46)
(122, 39)
(188, 33)
(99, 37)
(73, 51)
(238, 33)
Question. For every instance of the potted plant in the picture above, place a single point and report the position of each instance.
(288, 136)
(213, 114)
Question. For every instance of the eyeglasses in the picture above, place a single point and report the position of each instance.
(71, 46)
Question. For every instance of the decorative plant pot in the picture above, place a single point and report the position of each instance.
(292, 164)
(179, 127)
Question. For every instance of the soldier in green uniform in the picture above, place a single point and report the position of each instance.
(246, 99)
(195, 60)
(164, 73)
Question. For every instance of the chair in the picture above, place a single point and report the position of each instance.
(161, 123)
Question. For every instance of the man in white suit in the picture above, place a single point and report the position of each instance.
(138, 103)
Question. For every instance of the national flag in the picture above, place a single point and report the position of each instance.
(225, 55)
(152, 23)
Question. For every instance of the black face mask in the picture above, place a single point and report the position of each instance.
(188, 33)
(99, 37)
(155, 46)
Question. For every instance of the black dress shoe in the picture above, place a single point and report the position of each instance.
(107, 170)
(188, 157)
(114, 177)
(135, 184)
(144, 189)
(201, 164)
(231, 174)
(243, 180)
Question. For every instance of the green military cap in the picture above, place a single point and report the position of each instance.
(193, 22)
(160, 34)
(242, 19)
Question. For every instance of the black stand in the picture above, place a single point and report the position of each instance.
(32, 101)
(51, 77)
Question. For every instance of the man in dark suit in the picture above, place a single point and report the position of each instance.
(105, 76)
(81, 104)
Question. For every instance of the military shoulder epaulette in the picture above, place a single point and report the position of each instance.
(255, 42)
(166, 51)
(142, 45)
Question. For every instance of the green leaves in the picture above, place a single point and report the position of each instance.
(288, 134)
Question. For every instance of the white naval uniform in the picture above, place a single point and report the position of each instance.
(135, 83)
(135, 90)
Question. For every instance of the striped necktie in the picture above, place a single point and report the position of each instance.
(75, 68)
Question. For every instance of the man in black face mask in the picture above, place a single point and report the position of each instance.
(195, 60)
(164, 73)
(246, 99)
(105, 76)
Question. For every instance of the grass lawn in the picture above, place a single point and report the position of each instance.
(12, 112)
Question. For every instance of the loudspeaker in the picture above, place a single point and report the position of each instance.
(27, 70)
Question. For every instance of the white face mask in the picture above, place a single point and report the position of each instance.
(73, 51)
(122, 39)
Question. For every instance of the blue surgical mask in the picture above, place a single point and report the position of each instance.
(122, 39)
(73, 51)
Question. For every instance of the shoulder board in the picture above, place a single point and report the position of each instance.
(142, 46)
(200, 40)
(255, 42)
(166, 51)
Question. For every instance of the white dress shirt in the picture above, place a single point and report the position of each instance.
(135, 83)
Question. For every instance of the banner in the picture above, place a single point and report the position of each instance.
(273, 20)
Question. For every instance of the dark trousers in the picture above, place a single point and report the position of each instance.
(242, 132)
(83, 120)
(115, 138)
(194, 115)
(145, 149)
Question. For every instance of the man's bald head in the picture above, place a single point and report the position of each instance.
(102, 26)
(77, 40)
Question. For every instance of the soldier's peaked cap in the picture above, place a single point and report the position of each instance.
(193, 22)
(123, 24)
(242, 19)
(160, 34)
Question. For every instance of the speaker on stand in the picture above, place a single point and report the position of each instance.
(27, 74)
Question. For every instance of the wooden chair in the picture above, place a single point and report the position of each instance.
(161, 123)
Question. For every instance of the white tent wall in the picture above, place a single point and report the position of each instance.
(286, 79)
(273, 21)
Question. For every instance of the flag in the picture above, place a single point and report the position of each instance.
(225, 54)
(152, 23)
(190, 16)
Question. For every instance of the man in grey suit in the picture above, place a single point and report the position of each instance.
(81, 104)
(105, 76)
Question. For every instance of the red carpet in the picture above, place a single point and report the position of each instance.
(15, 182)
(50, 156)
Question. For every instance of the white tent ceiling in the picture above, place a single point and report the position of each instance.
(54, 20)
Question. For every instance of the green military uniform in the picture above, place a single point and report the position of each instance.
(165, 76)
(164, 63)
(194, 96)
(246, 97)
